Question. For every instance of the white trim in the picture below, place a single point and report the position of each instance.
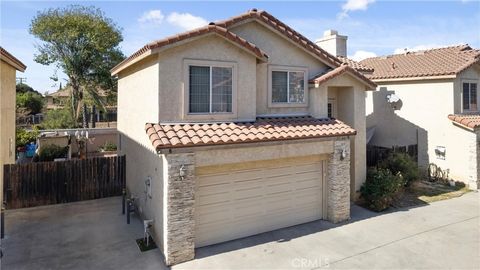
(187, 115)
(287, 69)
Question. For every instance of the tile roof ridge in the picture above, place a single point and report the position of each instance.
(260, 14)
(462, 47)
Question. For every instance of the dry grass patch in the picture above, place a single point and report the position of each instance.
(425, 192)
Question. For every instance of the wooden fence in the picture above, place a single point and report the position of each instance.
(376, 154)
(42, 183)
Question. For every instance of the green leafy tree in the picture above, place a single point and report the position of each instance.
(23, 88)
(84, 44)
(31, 101)
(58, 119)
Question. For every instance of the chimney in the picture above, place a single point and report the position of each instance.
(333, 43)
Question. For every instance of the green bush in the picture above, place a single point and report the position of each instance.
(51, 152)
(380, 188)
(58, 119)
(33, 102)
(108, 146)
(403, 164)
(24, 137)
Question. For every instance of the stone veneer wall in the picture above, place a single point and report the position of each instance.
(473, 161)
(179, 202)
(477, 162)
(338, 182)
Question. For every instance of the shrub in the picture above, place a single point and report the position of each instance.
(380, 188)
(108, 146)
(58, 119)
(51, 152)
(24, 137)
(403, 164)
(33, 102)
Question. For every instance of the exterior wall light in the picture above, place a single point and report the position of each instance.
(182, 172)
(343, 154)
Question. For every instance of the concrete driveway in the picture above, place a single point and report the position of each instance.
(94, 235)
(443, 235)
(82, 235)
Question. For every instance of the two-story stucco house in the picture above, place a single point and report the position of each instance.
(9, 66)
(226, 132)
(429, 98)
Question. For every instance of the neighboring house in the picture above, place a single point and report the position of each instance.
(429, 98)
(61, 98)
(226, 132)
(8, 69)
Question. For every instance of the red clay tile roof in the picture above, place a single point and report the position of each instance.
(429, 63)
(191, 34)
(12, 60)
(467, 120)
(164, 136)
(323, 77)
(354, 64)
(283, 29)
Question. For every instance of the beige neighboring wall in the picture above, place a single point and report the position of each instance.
(281, 52)
(423, 119)
(7, 118)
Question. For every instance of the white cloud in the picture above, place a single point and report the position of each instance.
(353, 5)
(186, 21)
(417, 48)
(152, 16)
(360, 55)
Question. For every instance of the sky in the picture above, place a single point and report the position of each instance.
(373, 27)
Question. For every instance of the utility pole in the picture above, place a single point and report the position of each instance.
(21, 80)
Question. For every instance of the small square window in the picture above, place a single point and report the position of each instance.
(288, 87)
(470, 96)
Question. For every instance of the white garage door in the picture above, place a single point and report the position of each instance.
(238, 200)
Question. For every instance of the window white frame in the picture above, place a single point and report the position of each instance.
(469, 97)
(287, 69)
(186, 93)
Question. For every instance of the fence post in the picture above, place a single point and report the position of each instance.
(124, 193)
(2, 220)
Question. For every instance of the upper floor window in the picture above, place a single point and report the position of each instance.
(210, 89)
(470, 96)
(287, 86)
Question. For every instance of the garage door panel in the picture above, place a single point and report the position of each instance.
(213, 180)
(239, 200)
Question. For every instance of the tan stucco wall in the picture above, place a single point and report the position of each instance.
(256, 152)
(281, 52)
(172, 77)
(7, 119)
(423, 119)
(137, 105)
